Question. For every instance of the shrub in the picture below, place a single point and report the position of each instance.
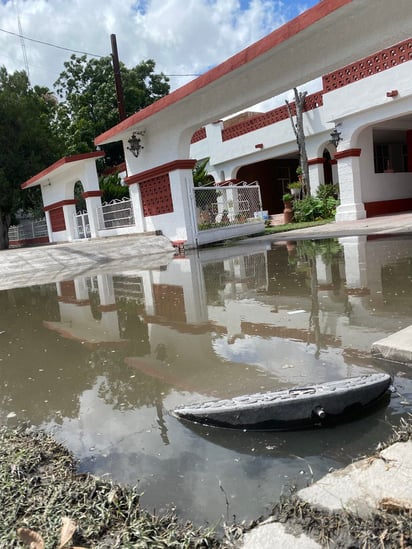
(321, 206)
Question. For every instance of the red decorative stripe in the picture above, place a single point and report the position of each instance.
(89, 194)
(347, 153)
(314, 161)
(313, 101)
(59, 204)
(160, 170)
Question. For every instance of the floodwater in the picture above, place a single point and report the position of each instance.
(101, 361)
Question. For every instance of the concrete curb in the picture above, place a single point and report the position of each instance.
(396, 347)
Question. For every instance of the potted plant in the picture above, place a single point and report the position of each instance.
(295, 187)
(288, 210)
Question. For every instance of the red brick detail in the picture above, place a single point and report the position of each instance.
(68, 289)
(257, 122)
(368, 66)
(156, 195)
(140, 177)
(198, 135)
(89, 194)
(59, 205)
(57, 220)
(382, 207)
(348, 153)
(169, 302)
(314, 161)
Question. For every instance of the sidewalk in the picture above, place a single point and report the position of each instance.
(384, 224)
(53, 262)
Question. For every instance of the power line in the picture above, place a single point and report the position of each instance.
(50, 44)
(74, 51)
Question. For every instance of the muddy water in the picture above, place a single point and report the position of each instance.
(100, 362)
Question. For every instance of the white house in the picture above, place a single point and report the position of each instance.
(359, 50)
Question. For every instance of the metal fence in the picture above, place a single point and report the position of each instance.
(81, 221)
(228, 205)
(28, 229)
(117, 213)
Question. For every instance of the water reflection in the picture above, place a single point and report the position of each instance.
(101, 360)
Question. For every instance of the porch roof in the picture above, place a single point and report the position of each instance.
(322, 39)
(58, 168)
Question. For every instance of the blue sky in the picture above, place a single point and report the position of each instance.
(184, 39)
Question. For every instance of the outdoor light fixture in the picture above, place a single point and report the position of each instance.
(135, 143)
(335, 135)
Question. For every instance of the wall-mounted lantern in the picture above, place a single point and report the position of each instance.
(135, 145)
(335, 136)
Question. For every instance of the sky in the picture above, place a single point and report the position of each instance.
(184, 37)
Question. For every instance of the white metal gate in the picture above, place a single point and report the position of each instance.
(81, 223)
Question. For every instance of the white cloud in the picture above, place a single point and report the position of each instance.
(182, 38)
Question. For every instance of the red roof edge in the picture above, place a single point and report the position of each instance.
(59, 163)
(283, 33)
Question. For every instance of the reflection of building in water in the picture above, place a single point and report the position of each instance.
(212, 321)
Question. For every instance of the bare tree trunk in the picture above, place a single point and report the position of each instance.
(300, 98)
(5, 220)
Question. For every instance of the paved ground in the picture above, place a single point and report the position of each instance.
(52, 262)
(384, 224)
(382, 482)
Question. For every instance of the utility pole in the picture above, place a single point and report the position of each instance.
(118, 79)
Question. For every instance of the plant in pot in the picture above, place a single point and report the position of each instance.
(288, 210)
(295, 187)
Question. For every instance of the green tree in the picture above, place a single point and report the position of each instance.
(88, 104)
(27, 144)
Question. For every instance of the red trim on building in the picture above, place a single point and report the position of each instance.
(357, 291)
(108, 308)
(251, 124)
(57, 220)
(198, 135)
(29, 241)
(348, 153)
(90, 194)
(59, 164)
(382, 207)
(160, 170)
(261, 47)
(368, 66)
(314, 161)
(59, 204)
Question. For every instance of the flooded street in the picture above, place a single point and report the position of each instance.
(100, 361)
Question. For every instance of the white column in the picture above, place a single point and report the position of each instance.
(351, 206)
(69, 211)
